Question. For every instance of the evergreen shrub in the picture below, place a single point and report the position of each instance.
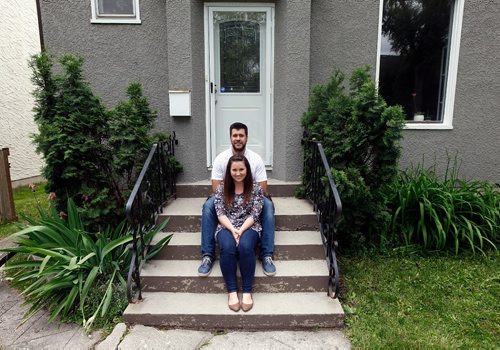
(92, 155)
(360, 134)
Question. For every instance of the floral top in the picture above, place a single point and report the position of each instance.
(238, 212)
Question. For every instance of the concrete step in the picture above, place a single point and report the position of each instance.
(276, 188)
(209, 311)
(181, 276)
(290, 213)
(288, 245)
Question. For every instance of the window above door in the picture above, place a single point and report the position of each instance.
(115, 11)
(419, 43)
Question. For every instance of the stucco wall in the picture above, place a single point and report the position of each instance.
(115, 54)
(311, 37)
(475, 137)
(343, 35)
(291, 85)
(19, 40)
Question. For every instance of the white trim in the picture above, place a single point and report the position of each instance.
(451, 84)
(451, 81)
(379, 41)
(135, 18)
(210, 71)
(207, 87)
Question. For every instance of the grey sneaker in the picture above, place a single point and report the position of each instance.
(205, 267)
(268, 266)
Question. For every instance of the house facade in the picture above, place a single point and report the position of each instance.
(18, 42)
(204, 65)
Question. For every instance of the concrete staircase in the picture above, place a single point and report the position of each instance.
(295, 298)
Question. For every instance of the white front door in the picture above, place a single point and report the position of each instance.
(239, 45)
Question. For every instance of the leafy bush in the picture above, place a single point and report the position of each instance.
(66, 264)
(91, 155)
(360, 135)
(447, 213)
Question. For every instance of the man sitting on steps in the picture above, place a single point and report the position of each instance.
(238, 133)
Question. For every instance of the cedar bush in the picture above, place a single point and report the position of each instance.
(92, 155)
(360, 135)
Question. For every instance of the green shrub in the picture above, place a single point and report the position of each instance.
(91, 155)
(360, 135)
(66, 264)
(444, 213)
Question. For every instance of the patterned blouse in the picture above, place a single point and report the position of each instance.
(237, 212)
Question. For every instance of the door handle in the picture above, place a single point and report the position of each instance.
(213, 88)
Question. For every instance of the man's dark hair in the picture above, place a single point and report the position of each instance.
(238, 126)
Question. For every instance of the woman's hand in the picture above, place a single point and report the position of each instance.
(236, 235)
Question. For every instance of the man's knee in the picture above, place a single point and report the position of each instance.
(209, 206)
(268, 208)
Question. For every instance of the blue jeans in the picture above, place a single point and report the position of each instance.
(246, 254)
(209, 222)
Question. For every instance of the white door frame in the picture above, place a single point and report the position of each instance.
(210, 73)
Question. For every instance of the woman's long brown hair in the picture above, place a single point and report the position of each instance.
(229, 182)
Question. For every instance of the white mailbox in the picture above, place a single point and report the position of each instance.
(180, 103)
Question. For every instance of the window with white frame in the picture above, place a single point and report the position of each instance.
(115, 11)
(419, 43)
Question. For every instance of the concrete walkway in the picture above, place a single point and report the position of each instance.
(36, 333)
(142, 337)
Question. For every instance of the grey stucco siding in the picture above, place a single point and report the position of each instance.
(343, 35)
(115, 54)
(475, 138)
(167, 51)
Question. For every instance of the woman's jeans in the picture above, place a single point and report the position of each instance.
(209, 222)
(246, 254)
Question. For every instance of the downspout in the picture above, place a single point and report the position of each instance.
(40, 26)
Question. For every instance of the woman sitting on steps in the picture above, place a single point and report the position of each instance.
(238, 203)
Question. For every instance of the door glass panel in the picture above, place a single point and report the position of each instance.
(239, 45)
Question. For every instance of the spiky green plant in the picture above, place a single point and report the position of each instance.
(64, 262)
(445, 213)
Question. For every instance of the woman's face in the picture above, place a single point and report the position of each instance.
(238, 171)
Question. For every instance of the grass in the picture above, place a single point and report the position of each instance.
(26, 202)
(415, 302)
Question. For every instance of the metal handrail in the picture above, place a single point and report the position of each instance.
(320, 188)
(153, 188)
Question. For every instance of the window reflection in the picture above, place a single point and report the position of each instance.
(414, 56)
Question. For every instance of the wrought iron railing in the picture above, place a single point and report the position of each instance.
(153, 188)
(320, 188)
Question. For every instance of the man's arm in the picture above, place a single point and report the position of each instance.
(215, 184)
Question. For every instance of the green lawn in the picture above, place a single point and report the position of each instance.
(25, 202)
(414, 302)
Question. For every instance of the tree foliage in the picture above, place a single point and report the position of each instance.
(417, 29)
(360, 135)
(92, 155)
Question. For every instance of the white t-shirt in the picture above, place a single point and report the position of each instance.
(256, 165)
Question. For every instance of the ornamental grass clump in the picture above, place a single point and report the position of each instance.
(61, 265)
(445, 213)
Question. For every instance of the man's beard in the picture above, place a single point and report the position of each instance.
(240, 151)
